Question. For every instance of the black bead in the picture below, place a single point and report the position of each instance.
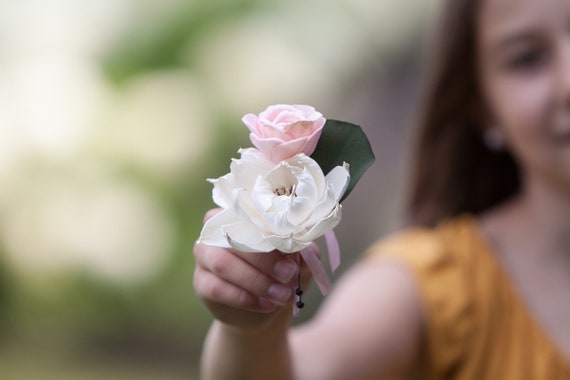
(299, 291)
(300, 304)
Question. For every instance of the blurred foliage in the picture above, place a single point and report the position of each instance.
(79, 326)
(167, 42)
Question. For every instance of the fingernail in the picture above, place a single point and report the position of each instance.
(285, 270)
(280, 293)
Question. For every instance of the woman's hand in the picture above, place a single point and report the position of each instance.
(246, 290)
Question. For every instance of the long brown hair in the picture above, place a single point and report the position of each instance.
(454, 172)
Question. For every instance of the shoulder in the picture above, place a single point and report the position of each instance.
(450, 241)
(443, 260)
(406, 303)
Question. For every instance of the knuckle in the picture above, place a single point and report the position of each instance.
(215, 290)
(219, 265)
(199, 283)
(259, 284)
(207, 286)
(245, 300)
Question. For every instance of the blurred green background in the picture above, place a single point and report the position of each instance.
(113, 113)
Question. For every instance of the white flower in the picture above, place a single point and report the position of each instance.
(270, 206)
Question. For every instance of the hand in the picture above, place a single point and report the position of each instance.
(246, 290)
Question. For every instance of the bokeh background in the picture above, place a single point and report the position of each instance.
(113, 113)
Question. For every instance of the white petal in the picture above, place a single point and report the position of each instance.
(307, 163)
(287, 244)
(323, 208)
(262, 194)
(212, 232)
(303, 204)
(307, 185)
(246, 237)
(281, 204)
(338, 179)
(251, 164)
(222, 191)
(276, 223)
(283, 175)
(323, 226)
(245, 206)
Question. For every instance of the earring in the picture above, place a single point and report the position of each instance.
(494, 139)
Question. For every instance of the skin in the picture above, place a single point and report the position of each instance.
(371, 325)
(525, 76)
(379, 328)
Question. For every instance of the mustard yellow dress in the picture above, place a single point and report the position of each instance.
(477, 326)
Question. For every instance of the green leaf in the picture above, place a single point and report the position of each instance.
(344, 142)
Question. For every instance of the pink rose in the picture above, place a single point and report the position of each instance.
(282, 131)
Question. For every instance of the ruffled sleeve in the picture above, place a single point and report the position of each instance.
(436, 258)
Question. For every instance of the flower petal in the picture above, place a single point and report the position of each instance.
(307, 163)
(251, 164)
(305, 199)
(323, 226)
(288, 149)
(265, 144)
(288, 117)
(212, 232)
(263, 192)
(287, 244)
(246, 237)
(247, 209)
(223, 189)
(309, 111)
(250, 121)
(338, 179)
(277, 223)
(313, 139)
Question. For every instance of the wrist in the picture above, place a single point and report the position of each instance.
(271, 326)
(246, 353)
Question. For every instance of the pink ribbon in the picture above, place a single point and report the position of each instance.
(316, 266)
(333, 250)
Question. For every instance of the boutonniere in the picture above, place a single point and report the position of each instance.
(287, 190)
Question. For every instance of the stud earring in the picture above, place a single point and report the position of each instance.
(494, 139)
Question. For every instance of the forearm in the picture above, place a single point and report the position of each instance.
(233, 354)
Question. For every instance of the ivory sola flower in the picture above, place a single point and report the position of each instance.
(268, 205)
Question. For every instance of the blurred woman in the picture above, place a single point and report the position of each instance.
(479, 286)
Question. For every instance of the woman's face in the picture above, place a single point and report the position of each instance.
(524, 62)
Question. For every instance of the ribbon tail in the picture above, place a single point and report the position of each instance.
(333, 250)
(295, 311)
(316, 267)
